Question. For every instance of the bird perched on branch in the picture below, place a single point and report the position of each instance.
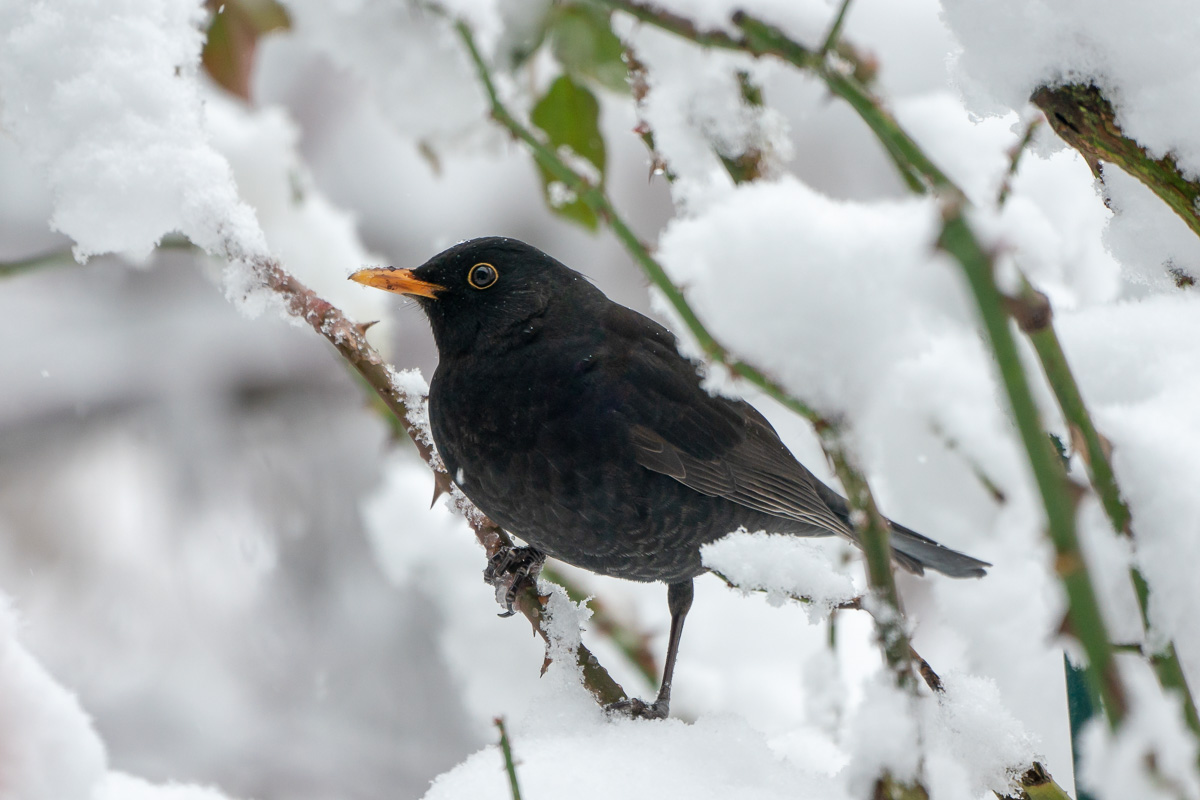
(575, 424)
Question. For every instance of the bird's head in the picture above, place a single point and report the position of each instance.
(481, 293)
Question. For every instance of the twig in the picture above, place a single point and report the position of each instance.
(835, 30)
(853, 604)
(1014, 159)
(1036, 784)
(350, 341)
(1083, 610)
(9, 268)
(1084, 118)
(870, 525)
(931, 678)
(632, 644)
(65, 257)
(1095, 450)
(509, 766)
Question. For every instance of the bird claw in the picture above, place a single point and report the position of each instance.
(633, 708)
(509, 571)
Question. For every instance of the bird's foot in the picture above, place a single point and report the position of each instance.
(633, 708)
(509, 571)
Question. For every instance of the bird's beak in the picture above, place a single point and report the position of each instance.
(400, 281)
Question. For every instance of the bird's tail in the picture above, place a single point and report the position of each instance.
(911, 550)
(915, 553)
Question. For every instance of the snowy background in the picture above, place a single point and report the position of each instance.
(218, 569)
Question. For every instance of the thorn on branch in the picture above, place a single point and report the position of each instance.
(1031, 310)
(931, 678)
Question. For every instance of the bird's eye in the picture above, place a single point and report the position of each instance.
(482, 275)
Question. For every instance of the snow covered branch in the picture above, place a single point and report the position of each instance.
(405, 400)
(1085, 119)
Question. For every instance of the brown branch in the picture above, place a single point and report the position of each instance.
(349, 339)
(633, 644)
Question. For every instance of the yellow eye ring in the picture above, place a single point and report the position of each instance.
(483, 275)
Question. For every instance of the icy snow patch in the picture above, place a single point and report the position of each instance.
(782, 566)
(119, 786)
(105, 98)
(1143, 55)
(975, 744)
(825, 295)
(48, 748)
(883, 737)
(717, 757)
(411, 58)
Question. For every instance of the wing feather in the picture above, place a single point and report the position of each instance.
(715, 445)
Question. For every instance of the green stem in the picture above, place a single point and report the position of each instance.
(1037, 326)
(835, 30)
(1083, 610)
(10, 268)
(509, 766)
(874, 536)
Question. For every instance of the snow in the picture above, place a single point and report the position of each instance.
(120, 786)
(713, 758)
(881, 737)
(316, 241)
(785, 238)
(394, 48)
(1143, 57)
(47, 744)
(783, 567)
(970, 725)
(114, 118)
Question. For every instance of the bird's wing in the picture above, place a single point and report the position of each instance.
(717, 446)
(749, 473)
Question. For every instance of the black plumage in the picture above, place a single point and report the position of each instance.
(575, 424)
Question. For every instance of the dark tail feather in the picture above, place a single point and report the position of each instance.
(915, 552)
(910, 549)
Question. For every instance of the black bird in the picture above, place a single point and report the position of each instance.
(576, 425)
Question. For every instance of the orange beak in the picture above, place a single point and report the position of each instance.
(400, 281)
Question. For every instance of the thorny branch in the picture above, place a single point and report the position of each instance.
(349, 339)
(1084, 118)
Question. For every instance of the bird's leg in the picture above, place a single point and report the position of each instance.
(510, 570)
(679, 600)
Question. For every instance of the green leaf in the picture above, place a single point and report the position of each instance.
(570, 117)
(583, 42)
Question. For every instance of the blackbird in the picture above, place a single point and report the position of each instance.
(577, 426)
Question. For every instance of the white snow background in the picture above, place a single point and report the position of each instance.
(198, 511)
